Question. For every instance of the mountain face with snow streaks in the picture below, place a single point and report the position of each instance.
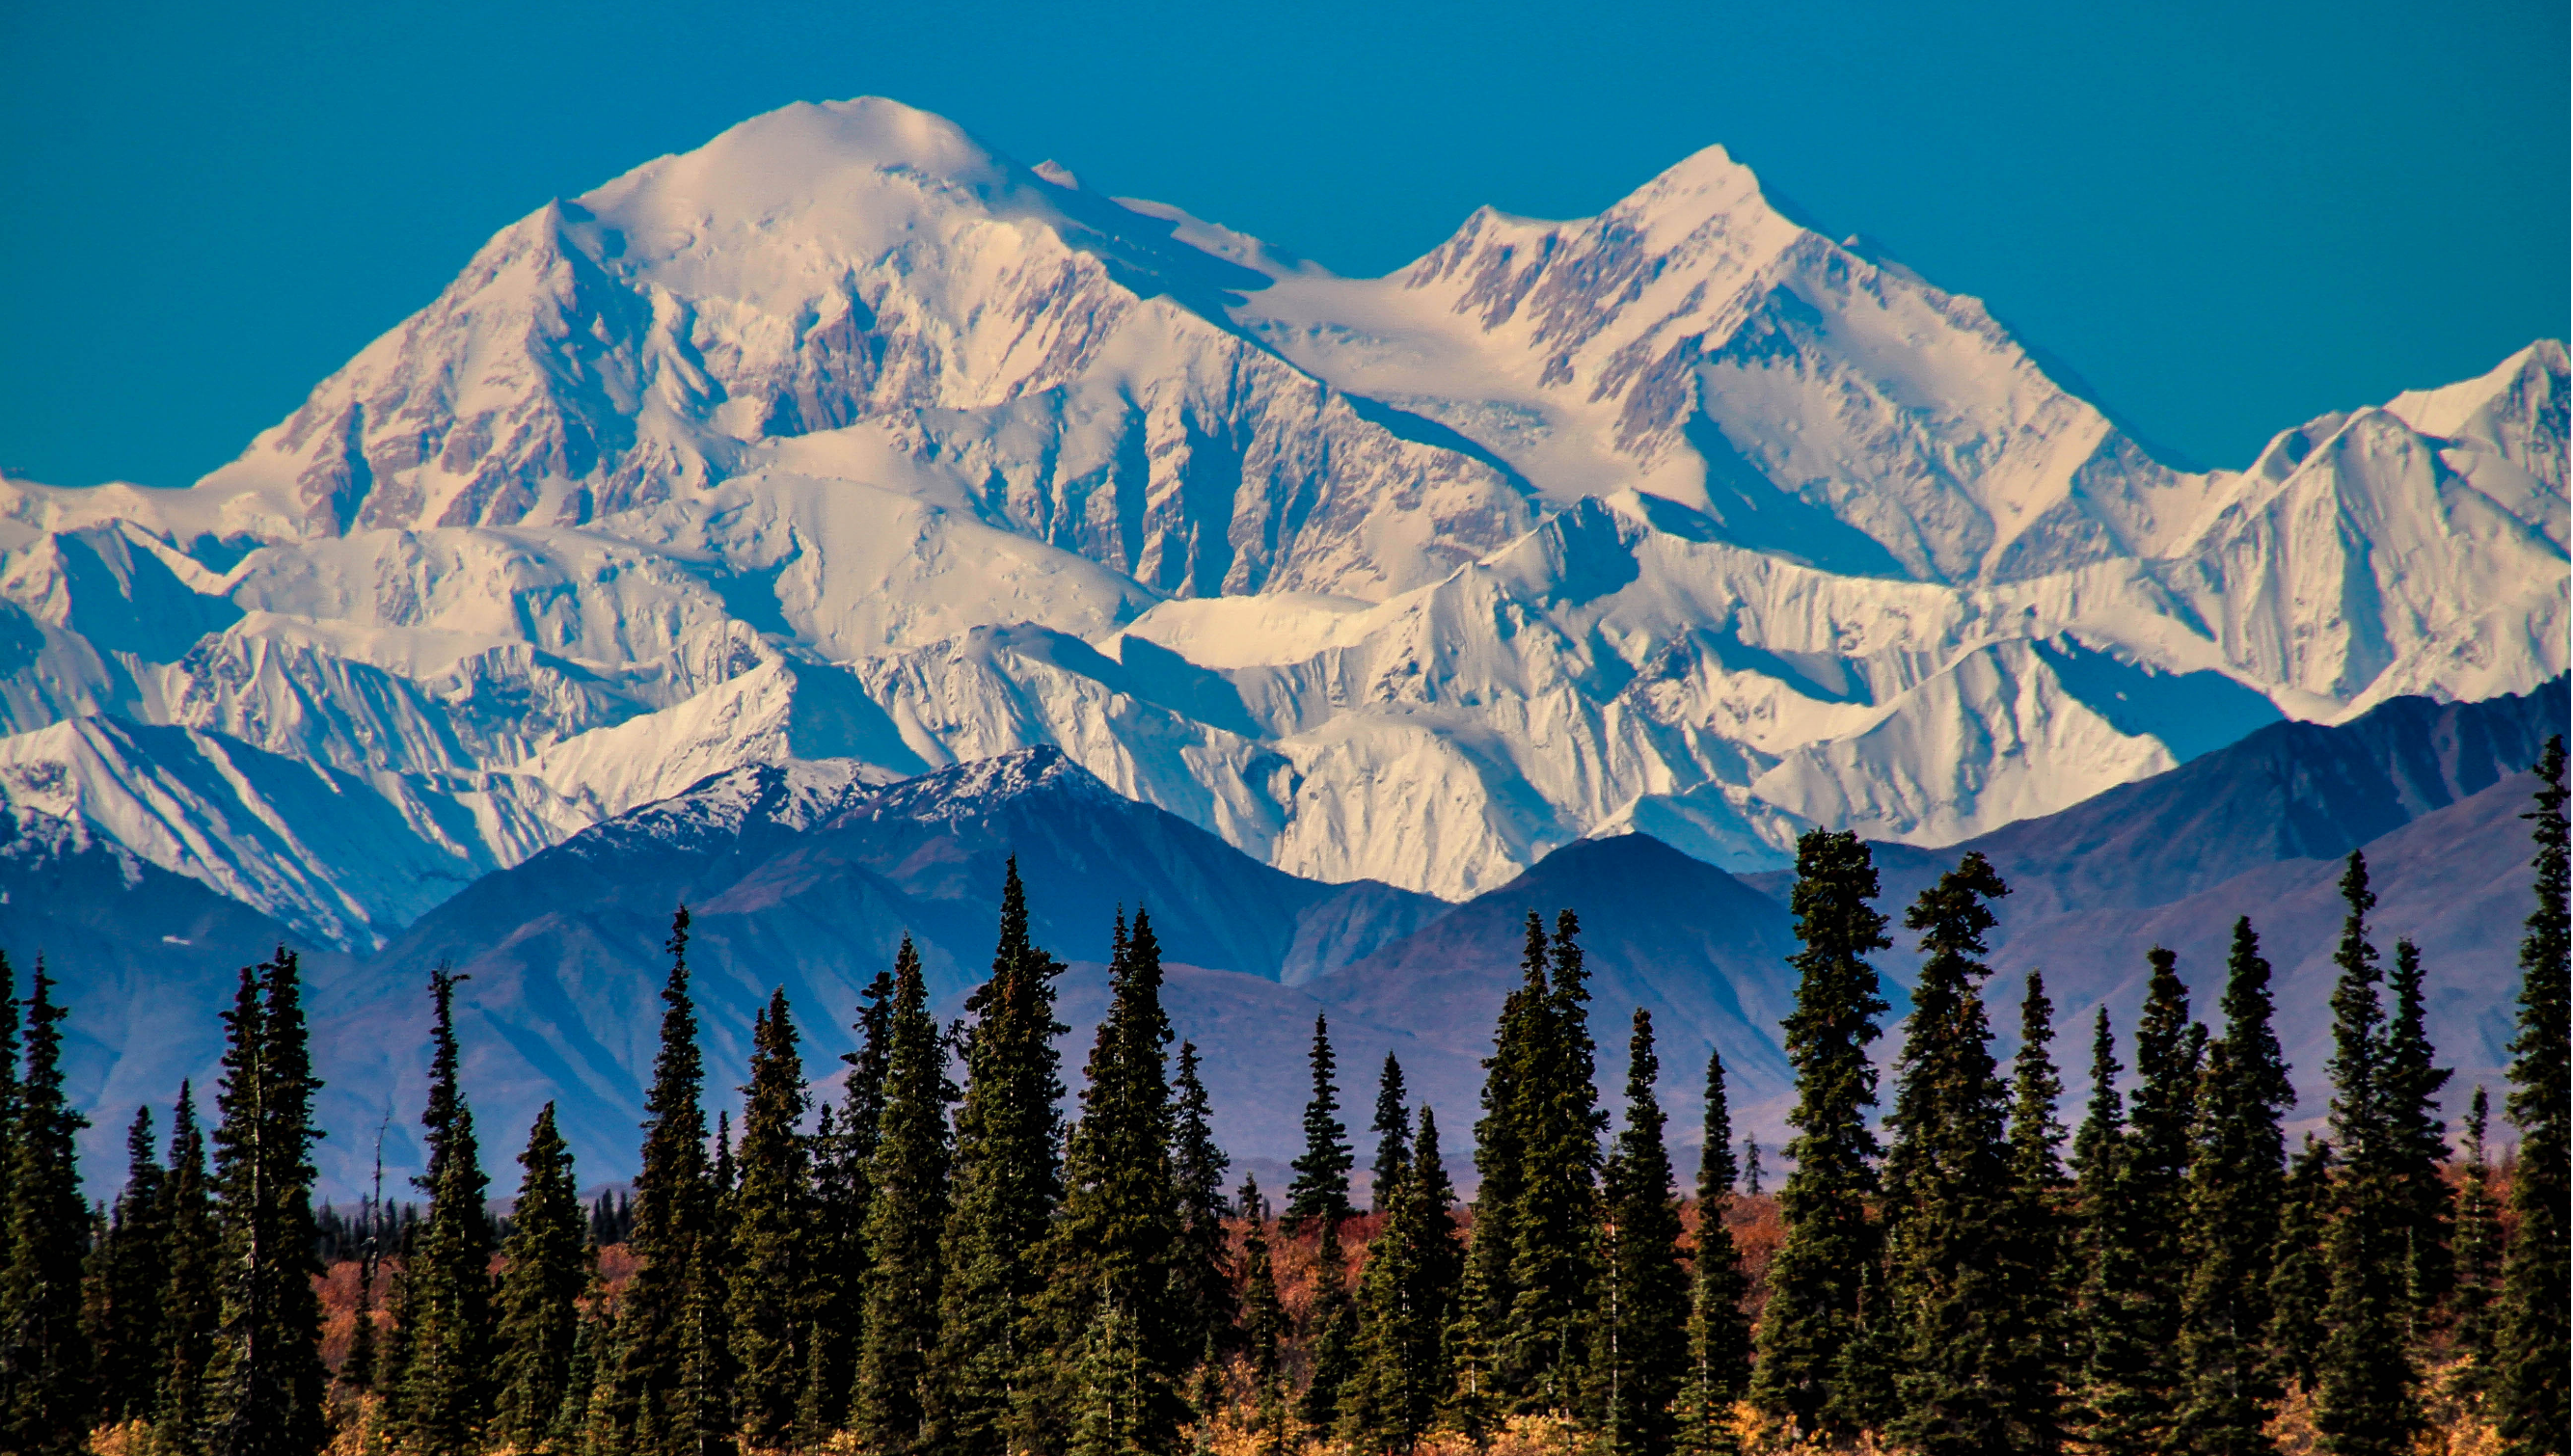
(845, 436)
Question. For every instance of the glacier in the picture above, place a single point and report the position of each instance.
(847, 438)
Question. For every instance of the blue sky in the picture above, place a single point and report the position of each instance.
(2225, 218)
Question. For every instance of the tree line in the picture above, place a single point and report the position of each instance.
(945, 1259)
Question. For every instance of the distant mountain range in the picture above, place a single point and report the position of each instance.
(807, 874)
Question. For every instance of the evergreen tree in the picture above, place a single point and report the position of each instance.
(772, 1211)
(2236, 1181)
(264, 1377)
(1331, 1332)
(2416, 1132)
(1750, 1165)
(2529, 1385)
(1473, 1395)
(1815, 1323)
(1112, 1383)
(1393, 1390)
(188, 1310)
(905, 1222)
(2038, 1268)
(1719, 1332)
(843, 1146)
(1321, 1190)
(540, 1329)
(652, 1408)
(9, 1005)
(2367, 1401)
(2300, 1287)
(1263, 1315)
(1500, 1155)
(45, 1396)
(1203, 1284)
(1555, 1224)
(1392, 1130)
(446, 1392)
(1948, 1197)
(124, 1325)
(1640, 1352)
(2478, 1248)
(1008, 1181)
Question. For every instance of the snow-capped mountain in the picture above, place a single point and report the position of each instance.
(846, 436)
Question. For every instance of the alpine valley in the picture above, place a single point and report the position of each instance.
(804, 524)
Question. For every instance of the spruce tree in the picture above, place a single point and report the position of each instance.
(1815, 1322)
(1965, 1332)
(1640, 1350)
(1719, 1331)
(1392, 1130)
(1750, 1165)
(1473, 1398)
(1331, 1332)
(123, 1328)
(189, 1308)
(265, 1377)
(2300, 1287)
(1555, 1224)
(2478, 1248)
(905, 1221)
(1202, 1283)
(2529, 1387)
(2038, 1267)
(538, 1333)
(9, 1005)
(1501, 1154)
(772, 1209)
(1263, 1315)
(2416, 1132)
(1007, 1182)
(2367, 1400)
(843, 1146)
(446, 1395)
(652, 1410)
(2236, 1182)
(1321, 1190)
(1393, 1390)
(45, 1396)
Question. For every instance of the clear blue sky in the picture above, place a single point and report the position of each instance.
(2226, 217)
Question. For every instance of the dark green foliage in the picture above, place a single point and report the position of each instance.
(1968, 1381)
(2367, 1400)
(1392, 1130)
(1554, 1221)
(1640, 1345)
(2478, 1248)
(45, 1398)
(1008, 1181)
(123, 1326)
(265, 1377)
(771, 1214)
(188, 1310)
(1201, 1282)
(2236, 1182)
(540, 1330)
(1402, 1305)
(2300, 1287)
(1263, 1316)
(2529, 1389)
(843, 1146)
(2041, 1274)
(446, 1391)
(1500, 1155)
(1750, 1165)
(1719, 1332)
(906, 1221)
(1815, 1330)
(1321, 1190)
(1473, 1398)
(2416, 1136)
(1331, 1332)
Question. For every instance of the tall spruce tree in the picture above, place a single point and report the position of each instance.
(1500, 1156)
(2040, 1271)
(1554, 1225)
(843, 1146)
(1263, 1316)
(264, 1377)
(1719, 1331)
(2367, 1401)
(1392, 1130)
(549, 1263)
(446, 1390)
(1964, 1329)
(1815, 1323)
(2529, 1388)
(2299, 1289)
(654, 1409)
(769, 1314)
(124, 1326)
(1331, 1332)
(2478, 1248)
(1321, 1190)
(45, 1396)
(1201, 1282)
(2236, 1183)
(905, 1222)
(9, 1005)
(189, 1307)
(1008, 1181)
(1640, 1347)
(2417, 1134)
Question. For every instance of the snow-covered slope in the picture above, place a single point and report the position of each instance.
(846, 436)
